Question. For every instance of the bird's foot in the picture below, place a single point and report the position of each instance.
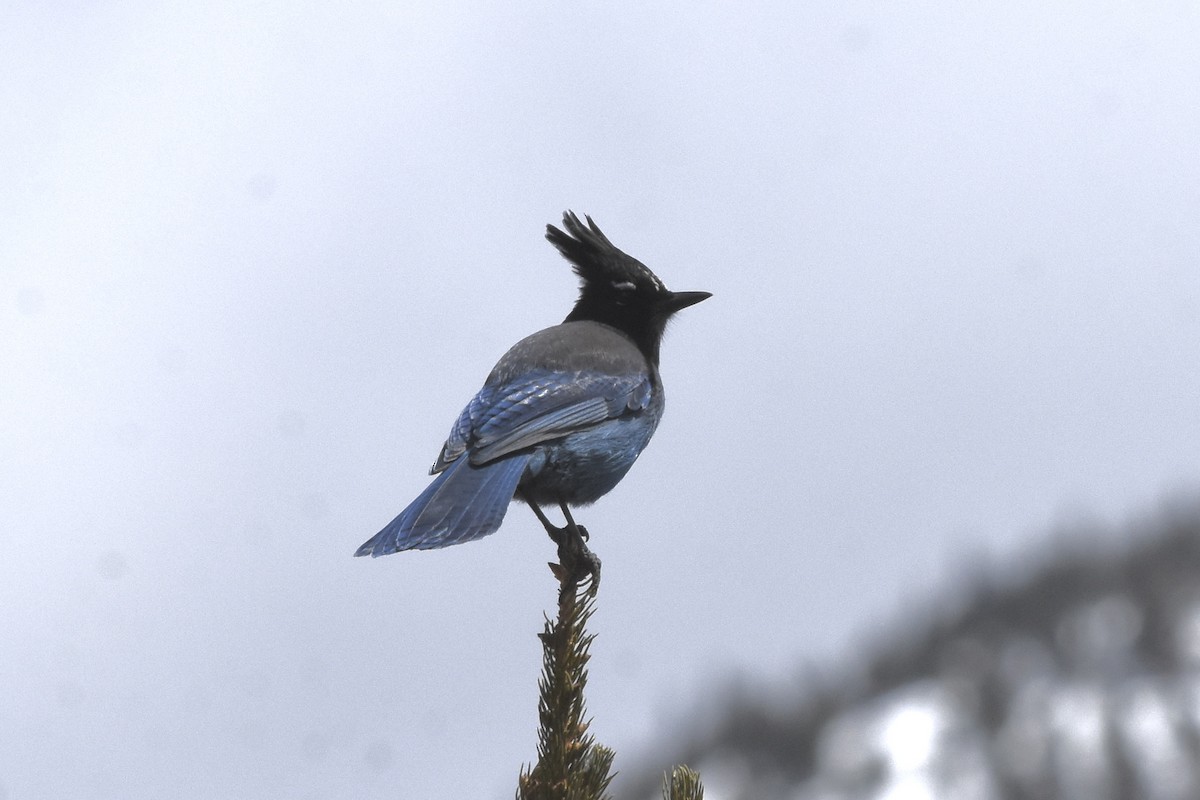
(576, 562)
(560, 535)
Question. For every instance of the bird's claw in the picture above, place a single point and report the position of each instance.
(576, 563)
(557, 535)
(582, 567)
(593, 571)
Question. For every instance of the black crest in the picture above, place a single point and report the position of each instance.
(597, 260)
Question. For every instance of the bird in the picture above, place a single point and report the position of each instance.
(562, 416)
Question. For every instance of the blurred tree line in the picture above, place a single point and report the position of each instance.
(1074, 678)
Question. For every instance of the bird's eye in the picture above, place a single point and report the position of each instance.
(624, 286)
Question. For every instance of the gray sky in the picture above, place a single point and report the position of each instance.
(254, 258)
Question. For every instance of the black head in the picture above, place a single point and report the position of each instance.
(616, 288)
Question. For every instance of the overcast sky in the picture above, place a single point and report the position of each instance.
(255, 257)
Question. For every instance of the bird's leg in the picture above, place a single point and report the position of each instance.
(583, 563)
(556, 533)
(583, 533)
(575, 561)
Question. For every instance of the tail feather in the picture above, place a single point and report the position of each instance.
(486, 510)
(463, 503)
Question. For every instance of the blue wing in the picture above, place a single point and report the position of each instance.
(538, 406)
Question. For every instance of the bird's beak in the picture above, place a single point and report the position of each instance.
(677, 301)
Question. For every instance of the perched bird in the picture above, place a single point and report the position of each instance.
(562, 416)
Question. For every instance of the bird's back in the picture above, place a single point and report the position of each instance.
(582, 465)
(571, 347)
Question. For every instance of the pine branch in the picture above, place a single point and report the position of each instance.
(570, 765)
(682, 784)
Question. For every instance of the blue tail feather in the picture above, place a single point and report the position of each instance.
(486, 510)
(463, 503)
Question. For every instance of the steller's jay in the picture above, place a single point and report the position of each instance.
(562, 416)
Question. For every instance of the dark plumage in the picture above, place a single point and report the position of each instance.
(564, 413)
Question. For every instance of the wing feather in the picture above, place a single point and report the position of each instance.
(537, 407)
